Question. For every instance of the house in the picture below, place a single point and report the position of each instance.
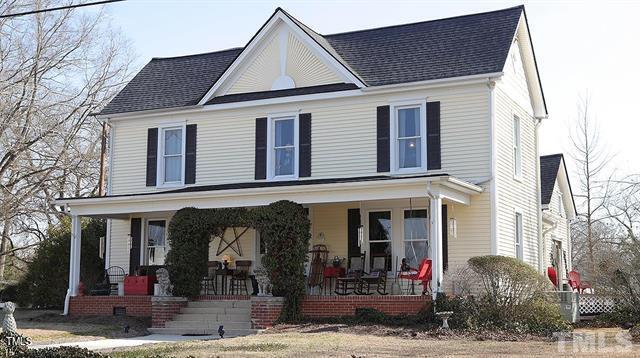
(558, 209)
(408, 141)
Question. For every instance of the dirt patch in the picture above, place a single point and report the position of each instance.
(414, 332)
(51, 327)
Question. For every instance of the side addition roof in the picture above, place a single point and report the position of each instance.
(551, 167)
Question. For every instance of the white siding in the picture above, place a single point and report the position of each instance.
(119, 246)
(305, 68)
(514, 81)
(343, 138)
(560, 232)
(260, 74)
(515, 194)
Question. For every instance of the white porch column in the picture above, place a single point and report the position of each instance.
(74, 261)
(436, 245)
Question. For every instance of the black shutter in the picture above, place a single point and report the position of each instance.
(433, 135)
(190, 155)
(304, 168)
(445, 239)
(152, 156)
(261, 149)
(383, 132)
(353, 223)
(136, 245)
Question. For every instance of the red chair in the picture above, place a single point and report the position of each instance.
(422, 274)
(553, 276)
(576, 284)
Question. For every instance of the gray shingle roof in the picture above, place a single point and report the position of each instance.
(451, 47)
(549, 166)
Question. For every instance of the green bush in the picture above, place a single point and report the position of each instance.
(513, 296)
(283, 226)
(47, 279)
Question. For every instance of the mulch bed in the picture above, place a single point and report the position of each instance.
(410, 332)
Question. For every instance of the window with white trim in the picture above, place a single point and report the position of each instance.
(517, 148)
(283, 147)
(409, 137)
(560, 204)
(156, 242)
(518, 236)
(171, 155)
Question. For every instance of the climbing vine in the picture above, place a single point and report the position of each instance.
(283, 226)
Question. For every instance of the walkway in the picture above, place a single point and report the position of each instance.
(126, 342)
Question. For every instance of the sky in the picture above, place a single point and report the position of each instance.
(582, 47)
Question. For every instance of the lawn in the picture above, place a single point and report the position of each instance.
(44, 327)
(332, 342)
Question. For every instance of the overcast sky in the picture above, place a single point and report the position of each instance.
(580, 46)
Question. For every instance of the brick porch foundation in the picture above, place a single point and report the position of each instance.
(136, 306)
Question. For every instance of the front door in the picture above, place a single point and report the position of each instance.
(380, 235)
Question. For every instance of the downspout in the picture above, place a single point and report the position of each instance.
(539, 200)
(492, 175)
(107, 238)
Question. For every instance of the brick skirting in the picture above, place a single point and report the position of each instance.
(336, 306)
(137, 306)
(266, 310)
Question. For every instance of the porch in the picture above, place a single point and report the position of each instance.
(382, 217)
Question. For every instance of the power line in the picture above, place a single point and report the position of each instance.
(59, 8)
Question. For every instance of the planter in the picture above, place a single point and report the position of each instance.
(139, 285)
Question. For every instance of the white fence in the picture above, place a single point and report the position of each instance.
(591, 304)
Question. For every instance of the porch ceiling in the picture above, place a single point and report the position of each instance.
(311, 192)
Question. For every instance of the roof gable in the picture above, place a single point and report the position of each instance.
(285, 54)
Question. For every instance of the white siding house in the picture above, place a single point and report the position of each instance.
(436, 145)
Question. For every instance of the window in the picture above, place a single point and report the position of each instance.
(380, 235)
(283, 146)
(171, 148)
(517, 150)
(560, 205)
(409, 138)
(416, 236)
(156, 241)
(518, 236)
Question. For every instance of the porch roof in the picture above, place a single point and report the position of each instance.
(253, 194)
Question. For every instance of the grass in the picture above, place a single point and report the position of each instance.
(341, 344)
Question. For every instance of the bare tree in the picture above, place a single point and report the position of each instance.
(56, 69)
(591, 160)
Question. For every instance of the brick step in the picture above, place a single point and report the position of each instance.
(245, 317)
(215, 310)
(208, 324)
(229, 333)
(221, 303)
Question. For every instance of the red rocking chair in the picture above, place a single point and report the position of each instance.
(576, 284)
(553, 276)
(422, 274)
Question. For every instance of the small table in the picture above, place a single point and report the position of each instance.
(331, 273)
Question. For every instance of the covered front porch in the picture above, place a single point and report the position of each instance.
(380, 219)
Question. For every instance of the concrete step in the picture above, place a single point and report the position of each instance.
(229, 333)
(221, 303)
(245, 317)
(215, 310)
(208, 324)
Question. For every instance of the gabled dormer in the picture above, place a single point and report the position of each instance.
(284, 54)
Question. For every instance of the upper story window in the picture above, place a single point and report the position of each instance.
(409, 137)
(171, 155)
(283, 147)
(560, 204)
(518, 236)
(517, 149)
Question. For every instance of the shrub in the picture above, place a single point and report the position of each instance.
(513, 296)
(59, 352)
(47, 279)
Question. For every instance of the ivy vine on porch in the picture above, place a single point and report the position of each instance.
(284, 228)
